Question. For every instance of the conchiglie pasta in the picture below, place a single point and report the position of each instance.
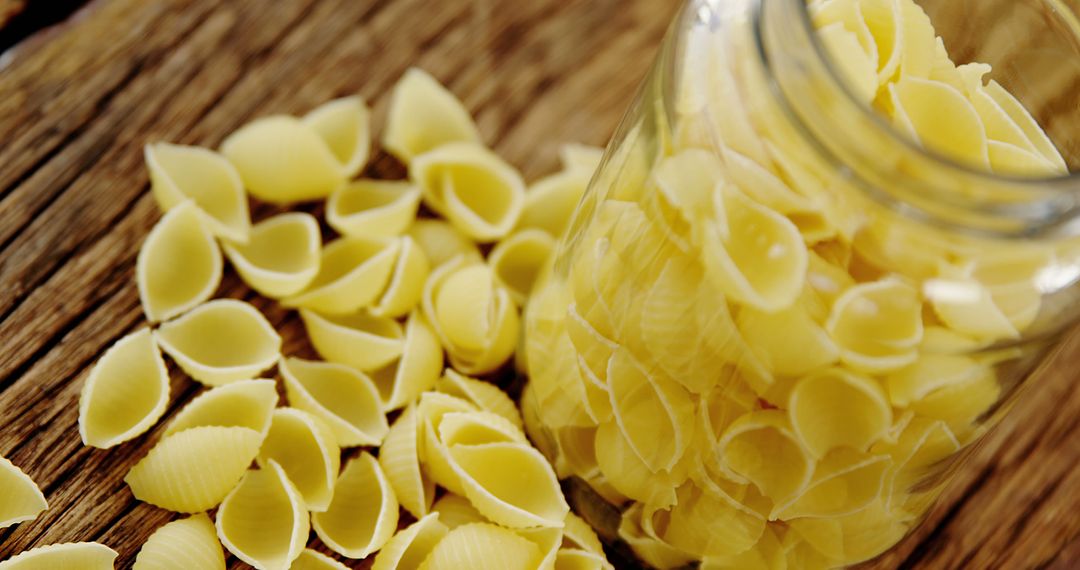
(311, 560)
(578, 535)
(644, 542)
(373, 208)
(442, 242)
(364, 513)
(408, 549)
(406, 285)
(164, 478)
(854, 538)
(306, 450)
(353, 272)
(854, 63)
(179, 265)
(20, 498)
(532, 498)
(877, 326)
(550, 202)
(789, 342)
(518, 259)
(283, 160)
(182, 544)
(248, 403)
(263, 521)
(221, 342)
(845, 481)
(837, 408)
(179, 173)
(484, 395)
(344, 126)
(704, 524)
(761, 448)
(402, 381)
(281, 257)
(475, 428)
(627, 474)
(941, 118)
(767, 554)
(68, 556)
(126, 392)
(472, 187)
(455, 511)
(1027, 124)
(344, 398)
(482, 546)
(434, 456)
(399, 458)
(573, 559)
(424, 116)
(359, 340)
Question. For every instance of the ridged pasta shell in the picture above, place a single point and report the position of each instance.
(576, 156)
(219, 455)
(283, 160)
(20, 498)
(306, 450)
(311, 560)
(364, 513)
(399, 458)
(455, 511)
(220, 342)
(409, 547)
(441, 241)
(126, 393)
(532, 498)
(179, 173)
(373, 208)
(281, 257)
(483, 546)
(434, 456)
(783, 472)
(343, 397)
(550, 201)
(646, 544)
(845, 481)
(704, 524)
(263, 521)
(574, 559)
(248, 403)
(359, 340)
(406, 285)
(547, 540)
(472, 187)
(877, 326)
(423, 116)
(401, 382)
(518, 259)
(345, 126)
(182, 545)
(353, 272)
(626, 473)
(484, 395)
(68, 556)
(179, 264)
(837, 408)
(479, 427)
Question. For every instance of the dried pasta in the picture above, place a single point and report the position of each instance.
(182, 544)
(573, 559)
(421, 362)
(483, 395)
(518, 259)
(343, 397)
(312, 560)
(20, 498)
(344, 126)
(359, 340)
(578, 535)
(180, 173)
(424, 116)
(263, 521)
(221, 342)
(406, 285)
(435, 456)
(399, 458)
(68, 556)
(408, 549)
(364, 513)
(482, 546)
(373, 208)
(550, 202)
(281, 257)
(248, 403)
(532, 498)
(126, 393)
(455, 511)
(353, 272)
(218, 454)
(306, 450)
(836, 408)
(442, 242)
(877, 326)
(282, 159)
(179, 265)
(783, 472)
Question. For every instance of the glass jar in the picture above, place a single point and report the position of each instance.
(778, 322)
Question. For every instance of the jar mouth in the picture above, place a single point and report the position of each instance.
(1067, 184)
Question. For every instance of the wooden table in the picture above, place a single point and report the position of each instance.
(78, 101)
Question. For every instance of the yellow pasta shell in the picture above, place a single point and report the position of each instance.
(455, 511)
(482, 546)
(578, 535)
(877, 326)
(344, 126)
(761, 448)
(221, 342)
(533, 498)
(180, 173)
(645, 543)
(517, 260)
(353, 272)
(423, 116)
(854, 538)
(373, 208)
(341, 396)
(263, 521)
(248, 403)
(68, 556)
(886, 26)
(401, 382)
(1027, 124)
(126, 393)
(941, 118)
(789, 342)
(704, 524)
(475, 428)
(406, 285)
(484, 395)
(441, 241)
(306, 450)
(359, 340)
(179, 265)
(182, 544)
(767, 554)
(845, 481)
(281, 257)
(627, 473)
(409, 547)
(853, 62)
(283, 160)
(399, 458)
(550, 201)
(434, 456)
(20, 498)
(364, 513)
(312, 560)
(573, 559)
(837, 408)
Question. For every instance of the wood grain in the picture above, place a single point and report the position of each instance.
(78, 101)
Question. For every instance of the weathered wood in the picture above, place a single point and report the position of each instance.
(77, 103)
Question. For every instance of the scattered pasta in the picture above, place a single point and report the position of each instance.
(400, 460)
(364, 513)
(181, 173)
(20, 498)
(373, 208)
(248, 403)
(482, 546)
(343, 397)
(344, 126)
(179, 265)
(359, 340)
(182, 544)
(281, 257)
(353, 272)
(408, 549)
(311, 560)
(306, 450)
(263, 521)
(424, 116)
(69, 556)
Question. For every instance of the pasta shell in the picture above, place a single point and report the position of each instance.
(877, 326)
(484, 395)
(942, 119)
(69, 556)
(1027, 124)
(399, 458)
(966, 306)
(126, 393)
(364, 513)
(434, 456)
(1012, 160)
(179, 265)
(886, 25)
(920, 450)
(312, 560)
(179, 173)
(482, 546)
(573, 559)
(532, 498)
(359, 340)
(455, 511)
(518, 259)
(645, 544)
(221, 342)
(627, 473)
(20, 498)
(852, 539)
(853, 62)
(401, 382)
(219, 455)
(551, 201)
(409, 547)
(304, 447)
(789, 342)
(263, 521)
(442, 242)
(282, 256)
(574, 156)
(704, 524)
(283, 160)
(424, 116)
(344, 398)
(182, 544)
(918, 41)
(344, 126)
(373, 208)
(931, 372)
(767, 554)
(406, 285)
(248, 403)
(353, 272)
(845, 482)
(761, 448)
(835, 408)
(578, 535)
(475, 428)
(472, 187)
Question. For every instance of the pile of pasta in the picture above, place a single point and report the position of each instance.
(381, 305)
(756, 371)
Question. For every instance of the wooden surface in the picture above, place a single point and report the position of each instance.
(78, 101)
